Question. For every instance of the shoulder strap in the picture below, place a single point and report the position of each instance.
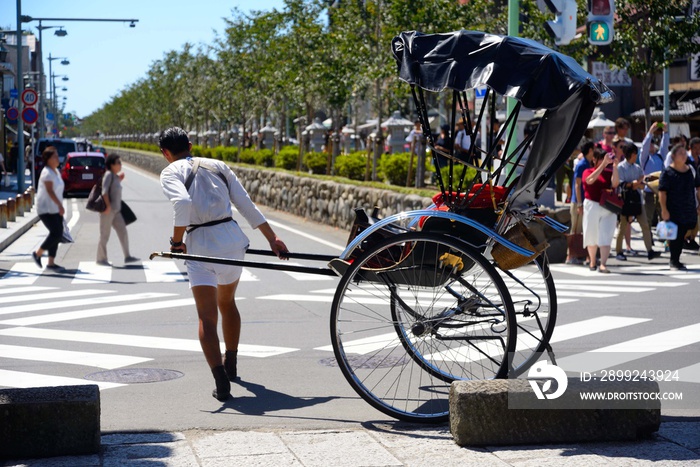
(197, 162)
(190, 177)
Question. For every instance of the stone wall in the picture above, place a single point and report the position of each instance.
(319, 200)
(334, 203)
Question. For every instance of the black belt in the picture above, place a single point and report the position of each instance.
(191, 228)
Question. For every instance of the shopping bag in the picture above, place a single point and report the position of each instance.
(66, 237)
(611, 201)
(128, 214)
(666, 230)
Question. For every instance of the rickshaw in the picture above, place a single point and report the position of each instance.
(460, 290)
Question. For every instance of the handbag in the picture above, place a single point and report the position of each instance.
(575, 244)
(66, 237)
(128, 214)
(95, 202)
(611, 200)
(666, 230)
(632, 202)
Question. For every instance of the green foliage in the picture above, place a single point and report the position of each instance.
(287, 158)
(247, 156)
(351, 166)
(265, 157)
(395, 167)
(316, 162)
(229, 154)
(133, 145)
(456, 174)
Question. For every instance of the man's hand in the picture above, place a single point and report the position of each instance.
(279, 248)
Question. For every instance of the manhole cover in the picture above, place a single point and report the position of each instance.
(359, 361)
(134, 375)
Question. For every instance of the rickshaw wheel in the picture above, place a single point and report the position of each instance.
(535, 300)
(402, 334)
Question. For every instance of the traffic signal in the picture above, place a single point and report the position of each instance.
(563, 27)
(600, 27)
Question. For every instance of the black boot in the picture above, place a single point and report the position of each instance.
(223, 387)
(230, 361)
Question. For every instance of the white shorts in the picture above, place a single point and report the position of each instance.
(598, 224)
(214, 274)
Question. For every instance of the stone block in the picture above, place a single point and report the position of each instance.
(49, 422)
(482, 413)
(3, 214)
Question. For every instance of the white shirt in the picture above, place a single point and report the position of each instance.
(463, 140)
(44, 203)
(207, 200)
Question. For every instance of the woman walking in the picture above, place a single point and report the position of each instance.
(49, 202)
(599, 223)
(111, 217)
(679, 197)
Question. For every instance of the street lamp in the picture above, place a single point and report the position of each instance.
(64, 61)
(53, 89)
(61, 32)
(42, 106)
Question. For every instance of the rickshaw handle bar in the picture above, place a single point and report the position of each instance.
(247, 264)
(290, 255)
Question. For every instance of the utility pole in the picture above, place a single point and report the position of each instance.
(20, 105)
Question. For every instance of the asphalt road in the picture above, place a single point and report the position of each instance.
(91, 324)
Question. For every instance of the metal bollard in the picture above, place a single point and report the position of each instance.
(11, 211)
(19, 202)
(3, 214)
(28, 202)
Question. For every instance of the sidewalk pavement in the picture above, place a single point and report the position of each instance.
(23, 223)
(372, 444)
(375, 444)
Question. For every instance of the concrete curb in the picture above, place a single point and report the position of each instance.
(22, 225)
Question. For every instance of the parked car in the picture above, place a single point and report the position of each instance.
(82, 170)
(63, 145)
(100, 149)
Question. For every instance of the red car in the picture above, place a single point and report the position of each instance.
(81, 170)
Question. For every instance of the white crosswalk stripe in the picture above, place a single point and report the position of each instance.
(20, 379)
(163, 271)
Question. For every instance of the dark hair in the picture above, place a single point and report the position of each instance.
(677, 148)
(48, 153)
(110, 161)
(621, 123)
(598, 153)
(693, 141)
(174, 140)
(587, 146)
(629, 149)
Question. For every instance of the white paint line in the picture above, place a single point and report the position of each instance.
(148, 342)
(94, 301)
(247, 276)
(306, 235)
(163, 271)
(21, 274)
(631, 350)
(99, 360)
(91, 273)
(83, 314)
(18, 379)
(689, 374)
(25, 290)
(52, 296)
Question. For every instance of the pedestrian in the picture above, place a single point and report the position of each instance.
(576, 209)
(3, 180)
(111, 217)
(652, 161)
(49, 206)
(201, 191)
(694, 156)
(679, 197)
(598, 222)
(632, 181)
(443, 144)
(607, 142)
(622, 127)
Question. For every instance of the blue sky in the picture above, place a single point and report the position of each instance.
(106, 57)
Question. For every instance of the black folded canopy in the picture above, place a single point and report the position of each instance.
(535, 75)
